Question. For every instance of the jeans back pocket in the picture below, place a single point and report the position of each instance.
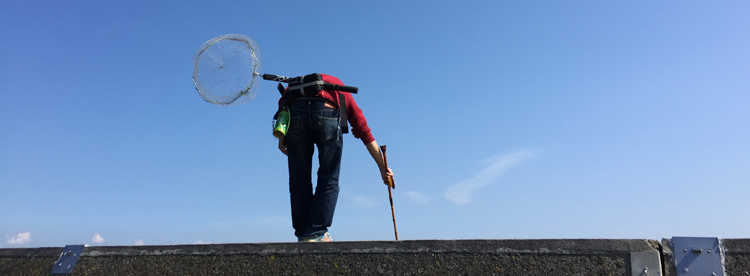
(330, 128)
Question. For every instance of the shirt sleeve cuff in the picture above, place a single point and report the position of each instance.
(367, 138)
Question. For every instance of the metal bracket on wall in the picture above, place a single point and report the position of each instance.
(698, 256)
(68, 259)
(645, 263)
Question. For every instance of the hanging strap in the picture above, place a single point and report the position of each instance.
(342, 111)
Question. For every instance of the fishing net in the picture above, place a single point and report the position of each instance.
(227, 70)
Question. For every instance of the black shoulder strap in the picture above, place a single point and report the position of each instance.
(342, 110)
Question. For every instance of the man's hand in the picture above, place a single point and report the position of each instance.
(386, 175)
(282, 147)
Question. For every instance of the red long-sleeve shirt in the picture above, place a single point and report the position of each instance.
(354, 115)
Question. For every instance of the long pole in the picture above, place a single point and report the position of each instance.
(391, 184)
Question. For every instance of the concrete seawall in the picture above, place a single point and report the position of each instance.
(414, 257)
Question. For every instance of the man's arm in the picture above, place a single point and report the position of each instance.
(374, 150)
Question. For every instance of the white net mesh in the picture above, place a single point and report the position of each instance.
(227, 69)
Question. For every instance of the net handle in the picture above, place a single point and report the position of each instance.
(329, 86)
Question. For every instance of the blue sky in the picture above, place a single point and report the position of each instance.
(503, 120)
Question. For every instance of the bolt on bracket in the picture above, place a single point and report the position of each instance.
(68, 259)
(645, 263)
(698, 256)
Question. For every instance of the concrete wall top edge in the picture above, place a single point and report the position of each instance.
(547, 246)
(736, 245)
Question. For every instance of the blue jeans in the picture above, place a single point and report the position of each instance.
(312, 123)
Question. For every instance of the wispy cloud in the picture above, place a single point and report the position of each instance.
(21, 238)
(97, 238)
(417, 197)
(202, 242)
(461, 193)
(139, 242)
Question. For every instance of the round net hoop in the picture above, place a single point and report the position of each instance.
(227, 70)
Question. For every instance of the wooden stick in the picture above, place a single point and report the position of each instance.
(391, 184)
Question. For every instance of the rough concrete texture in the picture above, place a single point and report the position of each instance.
(425, 257)
(667, 258)
(736, 257)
